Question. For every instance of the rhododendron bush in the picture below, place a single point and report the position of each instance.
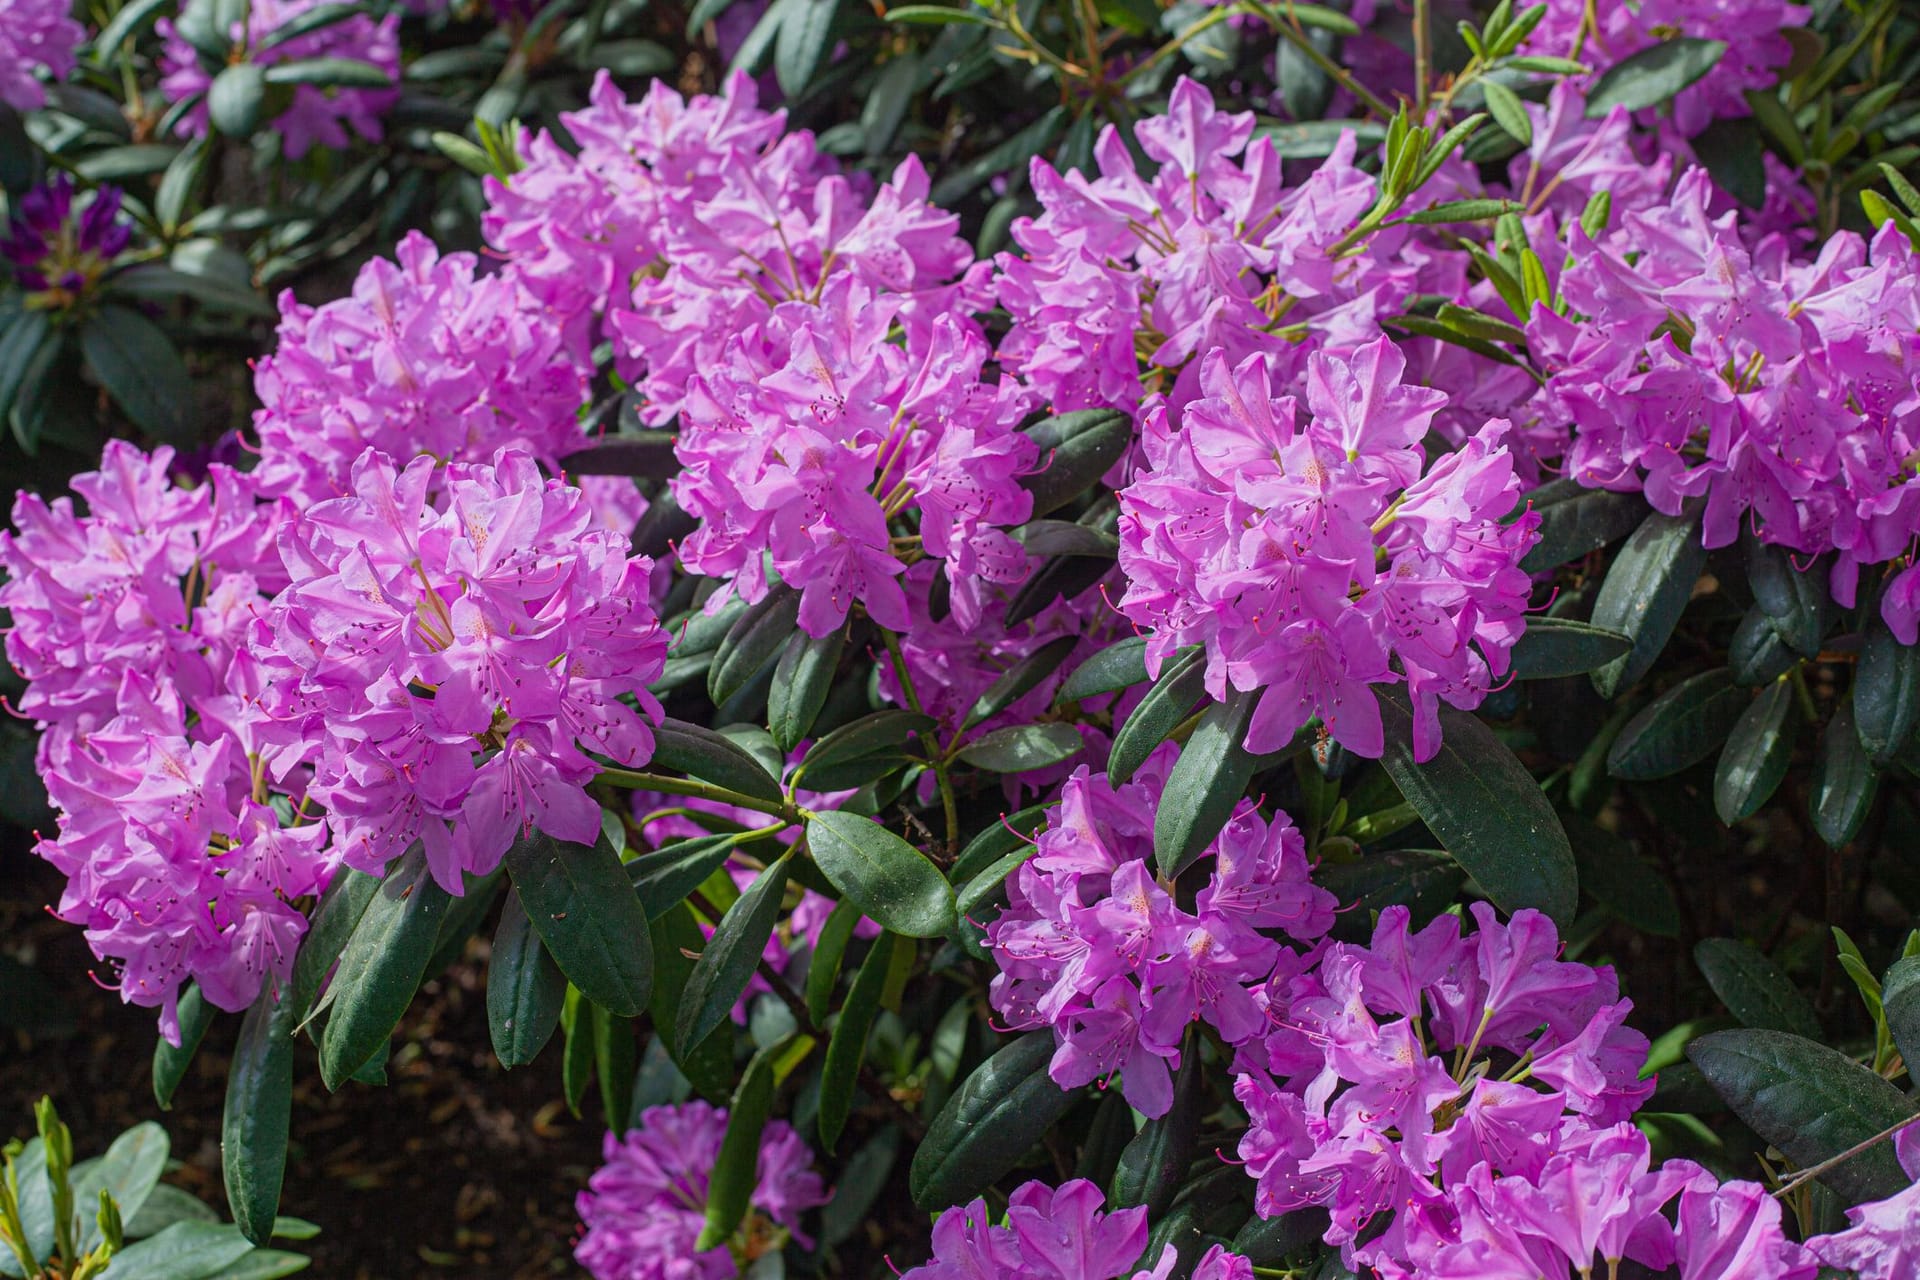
(1301, 660)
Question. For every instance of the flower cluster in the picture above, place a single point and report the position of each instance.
(1385, 1075)
(1095, 947)
(35, 35)
(312, 114)
(60, 253)
(132, 626)
(645, 1208)
(1306, 552)
(1061, 1234)
(452, 657)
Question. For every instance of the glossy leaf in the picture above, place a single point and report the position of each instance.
(237, 99)
(846, 1050)
(526, 992)
(1182, 683)
(1886, 693)
(887, 878)
(137, 364)
(1620, 880)
(1844, 782)
(708, 1065)
(650, 456)
(1552, 647)
(1154, 1164)
(1022, 748)
(1076, 449)
(736, 1167)
(184, 1251)
(1754, 989)
(1575, 520)
(729, 957)
(1756, 756)
(616, 1057)
(985, 1129)
(1651, 77)
(801, 681)
(1422, 880)
(1012, 831)
(1210, 777)
(754, 641)
(823, 971)
(699, 752)
(1681, 727)
(1646, 590)
(329, 73)
(1020, 679)
(382, 966)
(170, 1062)
(664, 877)
(1900, 998)
(879, 741)
(582, 905)
(1120, 665)
(259, 1109)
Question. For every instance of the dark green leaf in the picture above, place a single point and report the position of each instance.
(1504, 105)
(1012, 831)
(329, 73)
(1756, 756)
(847, 1049)
(805, 30)
(1553, 647)
(634, 58)
(1757, 655)
(1754, 989)
(859, 752)
(259, 1109)
(708, 1065)
(1886, 693)
(1021, 678)
(701, 753)
(1844, 782)
(265, 1264)
(125, 24)
(1645, 591)
(616, 1058)
(1620, 880)
(887, 878)
(154, 280)
(1021, 748)
(988, 1125)
(823, 971)
(801, 681)
(317, 18)
(1057, 578)
(1210, 777)
(651, 457)
(1422, 880)
(334, 921)
(1065, 538)
(752, 643)
(1900, 997)
(1076, 449)
(1448, 212)
(1485, 808)
(1316, 139)
(728, 960)
(1681, 727)
(170, 1062)
(1577, 521)
(1811, 1102)
(1011, 155)
(382, 966)
(1653, 76)
(237, 99)
(1796, 599)
(576, 1060)
(582, 905)
(1182, 683)
(736, 1167)
(664, 877)
(526, 991)
(1155, 1163)
(21, 342)
(937, 15)
(121, 164)
(1120, 665)
(140, 369)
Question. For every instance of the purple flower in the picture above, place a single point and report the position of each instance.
(645, 1208)
(60, 255)
(1050, 1234)
(1884, 1241)
(35, 35)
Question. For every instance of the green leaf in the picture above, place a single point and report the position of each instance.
(616, 1059)
(1485, 808)
(708, 1066)
(1754, 989)
(259, 1109)
(736, 1167)
(122, 164)
(631, 58)
(1552, 647)
(1020, 679)
(1182, 683)
(1795, 599)
(1316, 139)
(184, 1251)
(1076, 449)
(1620, 880)
(129, 1172)
(650, 457)
(806, 28)
(823, 971)
(129, 20)
(1645, 591)
(1013, 831)
(728, 960)
(140, 369)
(862, 750)
(1654, 75)
(664, 877)
(1681, 727)
(753, 642)
(170, 1063)
(1065, 538)
(1757, 655)
(526, 991)
(1755, 759)
(1155, 1163)
(847, 1048)
(583, 906)
(1844, 783)
(1504, 105)
(1023, 747)
(382, 966)
(265, 1264)
(166, 1205)
(989, 1124)
(1120, 665)
(334, 920)
(1574, 521)
(237, 99)
(701, 753)
(887, 878)
(576, 1059)
(317, 18)
(20, 345)
(1210, 777)
(801, 682)
(477, 162)
(1422, 880)
(1811, 1102)
(1886, 693)
(1057, 578)
(937, 15)
(329, 73)
(1900, 997)
(154, 280)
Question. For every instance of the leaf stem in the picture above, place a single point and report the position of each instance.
(1793, 1183)
(660, 782)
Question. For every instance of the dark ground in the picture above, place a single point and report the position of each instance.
(457, 1168)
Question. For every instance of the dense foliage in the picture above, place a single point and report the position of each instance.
(1217, 640)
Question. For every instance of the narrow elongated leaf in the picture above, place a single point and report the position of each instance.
(887, 878)
(140, 369)
(1057, 578)
(883, 738)
(701, 753)
(801, 682)
(985, 1129)
(1886, 693)
(664, 877)
(651, 457)
(125, 24)
(1182, 683)
(1681, 727)
(1422, 880)
(728, 960)
(1795, 599)
(1120, 665)
(1021, 748)
(1210, 777)
(616, 1057)
(1020, 679)
(1065, 538)
(334, 921)
(329, 73)
(1754, 989)
(582, 905)
(1155, 1163)
(1654, 75)
(1552, 647)
(708, 1066)
(576, 1060)
(846, 1050)
(1577, 521)
(823, 972)
(1900, 998)
(1076, 449)
(170, 1063)
(259, 1109)
(1810, 1101)
(754, 641)
(526, 992)
(1012, 831)
(21, 342)
(1844, 781)
(1485, 808)
(382, 966)
(805, 28)
(1756, 755)
(184, 1251)
(1645, 591)
(1504, 105)
(1620, 880)
(265, 1264)
(736, 1168)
